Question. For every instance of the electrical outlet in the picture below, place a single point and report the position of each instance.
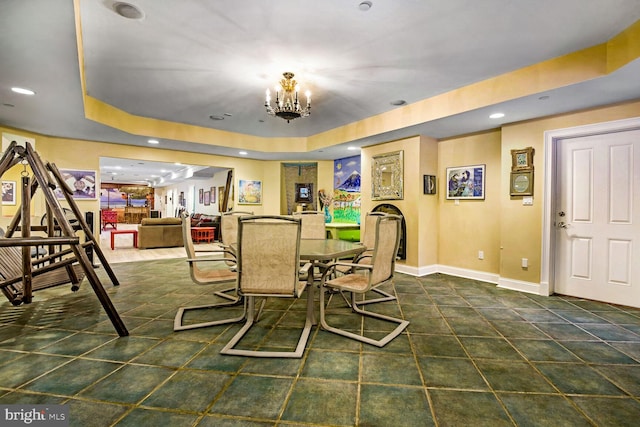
(525, 263)
(480, 254)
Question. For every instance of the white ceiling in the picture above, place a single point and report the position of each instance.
(155, 174)
(188, 60)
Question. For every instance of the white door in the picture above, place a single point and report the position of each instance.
(598, 218)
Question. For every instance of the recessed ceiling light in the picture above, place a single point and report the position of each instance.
(8, 105)
(23, 91)
(544, 98)
(243, 153)
(364, 6)
(127, 10)
(215, 117)
(398, 102)
(153, 141)
(496, 116)
(353, 148)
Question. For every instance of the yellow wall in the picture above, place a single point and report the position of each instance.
(521, 226)
(410, 205)
(439, 232)
(80, 154)
(471, 225)
(429, 217)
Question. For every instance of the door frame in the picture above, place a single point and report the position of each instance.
(552, 139)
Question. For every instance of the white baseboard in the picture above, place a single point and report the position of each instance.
(469, 274)
(416, 271)
(519, 285)
(483, 276)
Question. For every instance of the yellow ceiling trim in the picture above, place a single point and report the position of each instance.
(109, 115)
(569, 69)
(623, 48)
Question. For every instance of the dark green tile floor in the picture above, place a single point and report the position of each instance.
(474, 355)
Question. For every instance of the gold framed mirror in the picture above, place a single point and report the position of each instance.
(387, 176)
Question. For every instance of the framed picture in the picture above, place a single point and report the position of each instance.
(212, 190)
(522, 160)
(304, 193)
(250, 192)
(521, 183)
(429, 184)
(9, 192)
(466, 182)
(201, 196)
(207, 198)
(387, 176)
(81, 182)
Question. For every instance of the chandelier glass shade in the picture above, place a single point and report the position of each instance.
(287, 105)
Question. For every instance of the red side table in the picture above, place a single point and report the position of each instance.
(203, 234)
(134, 232)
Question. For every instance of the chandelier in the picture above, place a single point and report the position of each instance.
(287, 106)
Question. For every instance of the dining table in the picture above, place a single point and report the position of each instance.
(317, 252)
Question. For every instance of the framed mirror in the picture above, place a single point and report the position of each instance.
(388, 176)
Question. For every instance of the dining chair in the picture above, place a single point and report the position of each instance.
(268, 254)
(208, 276)
(379, 271)
(368, 240)
(228, 237)
(312, 224)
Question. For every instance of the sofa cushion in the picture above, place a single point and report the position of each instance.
(161, 221)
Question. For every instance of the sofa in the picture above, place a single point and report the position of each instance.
(160, 233)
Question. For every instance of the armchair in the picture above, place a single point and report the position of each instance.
(268, 254)
(109, 217)
(208, 276)
(312, 224)
(368, 240)
(379, 271)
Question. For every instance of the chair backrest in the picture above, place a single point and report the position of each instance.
(186, 235)
(229, 226)
(312, 224)
(369, 235)
(268, 255)
(387, 241)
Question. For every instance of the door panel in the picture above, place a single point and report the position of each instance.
(598, 218)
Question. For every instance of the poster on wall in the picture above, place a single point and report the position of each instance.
(250, 192)
(465, 182)
(346, 190)
(81, 182)
(8, 192)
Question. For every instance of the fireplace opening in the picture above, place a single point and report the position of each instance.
(393, 210)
